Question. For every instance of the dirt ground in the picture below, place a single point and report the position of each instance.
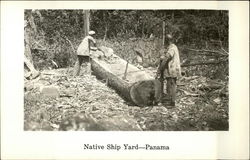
(198, 106)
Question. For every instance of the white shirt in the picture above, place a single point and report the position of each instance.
(173, 69)
(84, 47)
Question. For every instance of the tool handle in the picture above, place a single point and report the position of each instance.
(125, 73)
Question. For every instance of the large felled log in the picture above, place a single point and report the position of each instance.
(137, 86)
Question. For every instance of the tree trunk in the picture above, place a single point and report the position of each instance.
(32, 22)
(106, 26)
(86, 22)
(106, 31)
(142, 32)
(138, 87)
(163, 33)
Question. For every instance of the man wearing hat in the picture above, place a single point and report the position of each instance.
(83, 51)
(170, 68)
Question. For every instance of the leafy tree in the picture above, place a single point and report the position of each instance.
(56, 34)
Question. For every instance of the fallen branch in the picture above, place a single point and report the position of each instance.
(224, 50)
(210, 87)
(54, 63)
(65, 95)
(221, 91)
(188, 93)
(210, 51)
(209, 54)
(203, 63)
(54, 74)
(189, 78)
(41, 49)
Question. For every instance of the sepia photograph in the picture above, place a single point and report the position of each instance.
(124, 80)
(126, 70)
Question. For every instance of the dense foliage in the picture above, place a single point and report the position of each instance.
(57, 33)
(188, 26)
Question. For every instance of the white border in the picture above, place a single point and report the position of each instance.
(17, 144)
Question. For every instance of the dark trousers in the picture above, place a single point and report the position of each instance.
(79, 61)
(170, 89)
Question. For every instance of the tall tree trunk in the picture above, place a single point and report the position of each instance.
(86, 21)
(142, 32)
(163, 33)
(106, 26)
(106, 31)
(29, 32)
(32, 22)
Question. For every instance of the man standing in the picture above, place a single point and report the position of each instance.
(83, 51)
(170, 68)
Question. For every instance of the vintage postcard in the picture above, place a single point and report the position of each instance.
(124, 80)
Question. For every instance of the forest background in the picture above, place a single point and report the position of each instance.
(201, 37)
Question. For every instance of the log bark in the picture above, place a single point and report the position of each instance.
(163, 33)
(138, 87)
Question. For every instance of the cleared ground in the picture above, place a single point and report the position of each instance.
(202, 104)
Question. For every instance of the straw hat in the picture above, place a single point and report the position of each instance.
(169, 36)
(91, 32)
